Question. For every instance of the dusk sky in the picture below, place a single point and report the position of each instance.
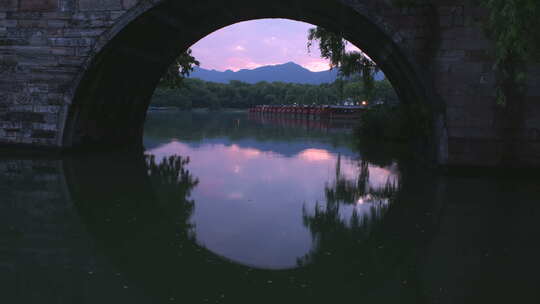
(256, 43)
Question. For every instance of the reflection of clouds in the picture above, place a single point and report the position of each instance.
(246, 152)
(316, 155)
(232, 178)
(235, 196)
(309, 168)
(222, 168)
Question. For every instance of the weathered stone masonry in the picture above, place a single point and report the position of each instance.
(43, 45)
(59, 59)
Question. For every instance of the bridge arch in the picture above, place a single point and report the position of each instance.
(111, 94)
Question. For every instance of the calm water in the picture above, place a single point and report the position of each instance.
(233, 208)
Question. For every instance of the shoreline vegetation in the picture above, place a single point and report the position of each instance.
(196, 93)
(388, 121)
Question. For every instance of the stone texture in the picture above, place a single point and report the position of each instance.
(8, 5)
(45, 46)
(67, 5)
(38, 5)
(100, 5)
(127, 4)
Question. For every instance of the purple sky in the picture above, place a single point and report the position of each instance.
(251, 44)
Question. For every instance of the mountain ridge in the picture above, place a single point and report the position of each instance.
(289, 72)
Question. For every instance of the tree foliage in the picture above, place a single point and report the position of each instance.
(196, 93)
(350, 63)
(181, 67)
(513, 25)
(356, 63)
(332, 46)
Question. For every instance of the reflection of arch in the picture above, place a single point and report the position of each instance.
(111, 96)
(117, 201)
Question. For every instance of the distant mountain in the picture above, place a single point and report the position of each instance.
(288, 72)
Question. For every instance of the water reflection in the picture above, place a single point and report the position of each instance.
(147, 230)
(174, 184)
(249, 202)
(129, 228)
(351, 204)
(341, 227)
(303, 123)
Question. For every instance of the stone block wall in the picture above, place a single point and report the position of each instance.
(465, 79)
(43, 47)
(46, 45)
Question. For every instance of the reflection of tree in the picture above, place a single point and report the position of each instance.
(139, 234)
(173, 184)
(330, 228)
(348, 192)
(344, 190)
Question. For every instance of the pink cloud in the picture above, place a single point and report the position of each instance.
(238, 63)
(247, 45)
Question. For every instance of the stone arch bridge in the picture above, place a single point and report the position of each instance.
(81, 72)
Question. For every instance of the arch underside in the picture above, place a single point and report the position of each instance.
(110, 103)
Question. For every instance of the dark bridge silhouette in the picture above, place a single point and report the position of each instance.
(81, 72)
